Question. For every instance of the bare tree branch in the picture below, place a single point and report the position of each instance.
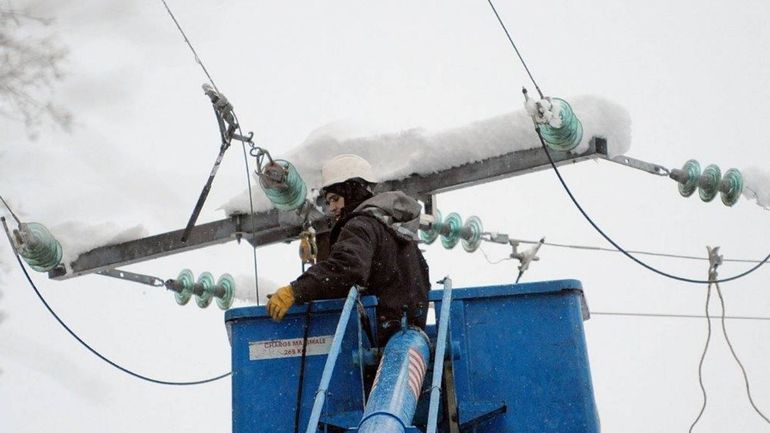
(30, 64)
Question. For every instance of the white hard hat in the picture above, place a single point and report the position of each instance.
(344, 167)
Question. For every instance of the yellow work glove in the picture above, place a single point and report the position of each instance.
(280, 302)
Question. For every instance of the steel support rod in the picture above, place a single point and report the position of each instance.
(438, 357)
(134, 277)
(331, 361)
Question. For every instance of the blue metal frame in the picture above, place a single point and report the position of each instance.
(320, 396)
(438, 356)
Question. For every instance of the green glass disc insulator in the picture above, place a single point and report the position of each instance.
(708, 184)
(39, 248)
(569, 134)
(731, 187)
(429, 236)
(473, 229)
(454, 226)
(206, 280)
(227, 283)
(186, 280)
(692, 169)
(283, 185)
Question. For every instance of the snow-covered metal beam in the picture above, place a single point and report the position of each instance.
(490, 169)
(262, 228)
(271, 227)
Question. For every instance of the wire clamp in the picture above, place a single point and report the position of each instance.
(526, 257)
(715, 260)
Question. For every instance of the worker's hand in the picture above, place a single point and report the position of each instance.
(280, 302)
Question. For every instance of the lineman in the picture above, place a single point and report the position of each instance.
(373, 245)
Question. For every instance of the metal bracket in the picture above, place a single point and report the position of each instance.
(638, 164)
(715, 260)
(131, 276)
(526, 257)
(495, 237)
(223, 111)
(429, 200)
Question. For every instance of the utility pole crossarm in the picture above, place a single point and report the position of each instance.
(273, 226)
(490, 169)
(265, 225)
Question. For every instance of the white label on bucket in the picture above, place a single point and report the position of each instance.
(271, 349)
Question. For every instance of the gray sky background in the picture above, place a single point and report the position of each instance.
(693, 76)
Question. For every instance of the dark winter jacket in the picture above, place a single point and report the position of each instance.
(375, 247)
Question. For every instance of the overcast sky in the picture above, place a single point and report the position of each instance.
(693, 76)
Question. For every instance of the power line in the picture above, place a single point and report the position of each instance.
(675, 316)
(640, 252)
(104, 358)
(238, 124)
(251, 209)
(631, 314)
(583, 212)
(735, 355)
(703, 358)
(613, 250)
(496, 261)
(189, 44)
(10, 210)
(510, 39)
(620, 248)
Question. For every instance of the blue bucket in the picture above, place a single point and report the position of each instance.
(266, 359)
(522, 365)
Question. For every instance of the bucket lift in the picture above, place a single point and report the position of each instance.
(513, 360)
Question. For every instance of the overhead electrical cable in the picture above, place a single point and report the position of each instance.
(104, 358)
(510, 39)
(673, 316)
(620, 248)
(251, 209)
(640, 252)
(240, 131)
(631, 314)
(189, 44)
(735, 355)
(585, 214)
(10, 210)
(715, 261)
(613, 250)
(702, 359)
(496, 261)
